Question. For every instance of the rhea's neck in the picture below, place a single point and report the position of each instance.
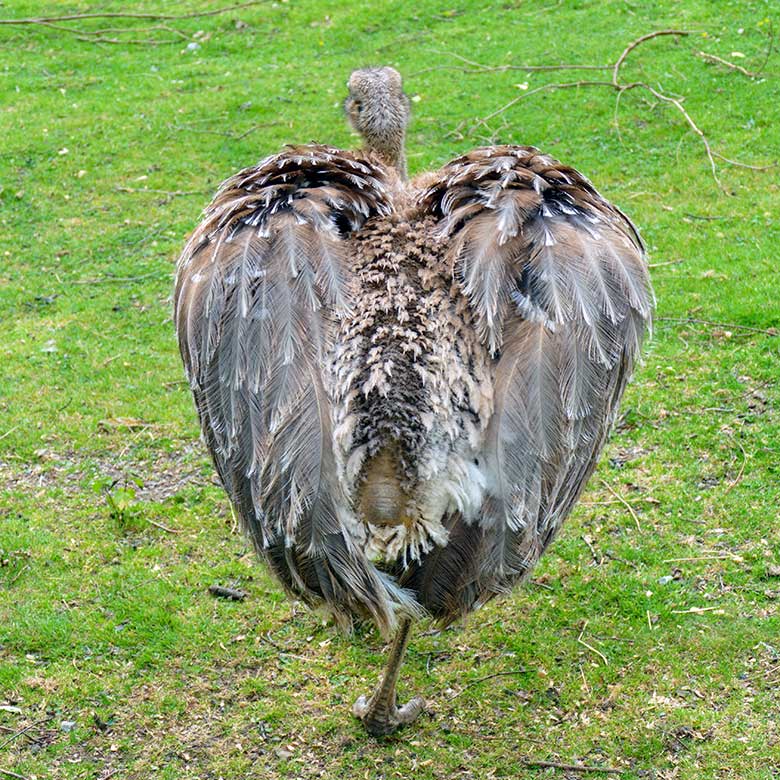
(389, 148)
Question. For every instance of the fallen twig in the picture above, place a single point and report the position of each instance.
(724, 325)
(121, 15)
(485, 679)
(107, 279)
(596, 558)
(168, 193)
(581, 641)
(766, 167)
(223, 134)
(102, 35)
(666, 262)
(631, 46)
(162, 527)
(9, 432)
(19, 574)
(769, 46)
(695, 610)
(725, 557)
(9, 773)
(227, 593)
(704, 217)
(607, 770)
(624, 502)
(479, 67)
(620, 88)
(739, 476)
(19, 733)
(714, 58)
(96, 37)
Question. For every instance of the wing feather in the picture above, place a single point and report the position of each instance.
(260, 287)
(557, 282)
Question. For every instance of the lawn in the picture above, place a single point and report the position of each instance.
(647, 641)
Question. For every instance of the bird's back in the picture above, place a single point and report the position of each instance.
(411, 388)
(405, 391)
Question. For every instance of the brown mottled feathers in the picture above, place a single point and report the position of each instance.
(260, 289)
(558, 285)
(405, 389)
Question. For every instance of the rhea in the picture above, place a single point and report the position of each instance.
(405, 384)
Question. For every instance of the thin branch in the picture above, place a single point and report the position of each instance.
(769, 46)
(167, 193)
(607, 770)
(745, 165)
(19, 733)
(624, 502)
(19, 574)
(499, 68)
(696, 558)
(131, 41)
(98, 36)
(638, 42)
(581, 641)
(232, 594)
(739, 476)
(544, 88)
(596, 557)
(102, 35)
(724, 325)
(714, 58)
(9, 773)
(9, 432)
(620, 88)
(187, 126)
(118, 279)
(479, 67)
(162, 527)
(666, 262)
(241, 136)
(120, 15)
(107, 30)
(694, 610)
(704, 217)
(679, 106)
(485, 679)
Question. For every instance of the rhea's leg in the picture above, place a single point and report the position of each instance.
(381, 714)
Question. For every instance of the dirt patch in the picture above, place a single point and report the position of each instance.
(154, 480)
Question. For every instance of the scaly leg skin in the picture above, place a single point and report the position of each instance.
(380, 714)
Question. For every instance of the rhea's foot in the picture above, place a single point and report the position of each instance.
(381, 718)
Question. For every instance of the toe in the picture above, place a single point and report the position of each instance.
(411, 710)
(360, 707)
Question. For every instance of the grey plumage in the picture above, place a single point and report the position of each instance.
(405, 385)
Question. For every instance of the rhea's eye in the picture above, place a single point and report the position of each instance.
(358, 106)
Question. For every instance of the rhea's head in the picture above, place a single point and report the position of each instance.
(378, 109)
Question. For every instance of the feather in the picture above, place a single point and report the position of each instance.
(573, 267)
(550, 278)
(260, 287)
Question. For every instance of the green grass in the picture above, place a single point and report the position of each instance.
(105, 619)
